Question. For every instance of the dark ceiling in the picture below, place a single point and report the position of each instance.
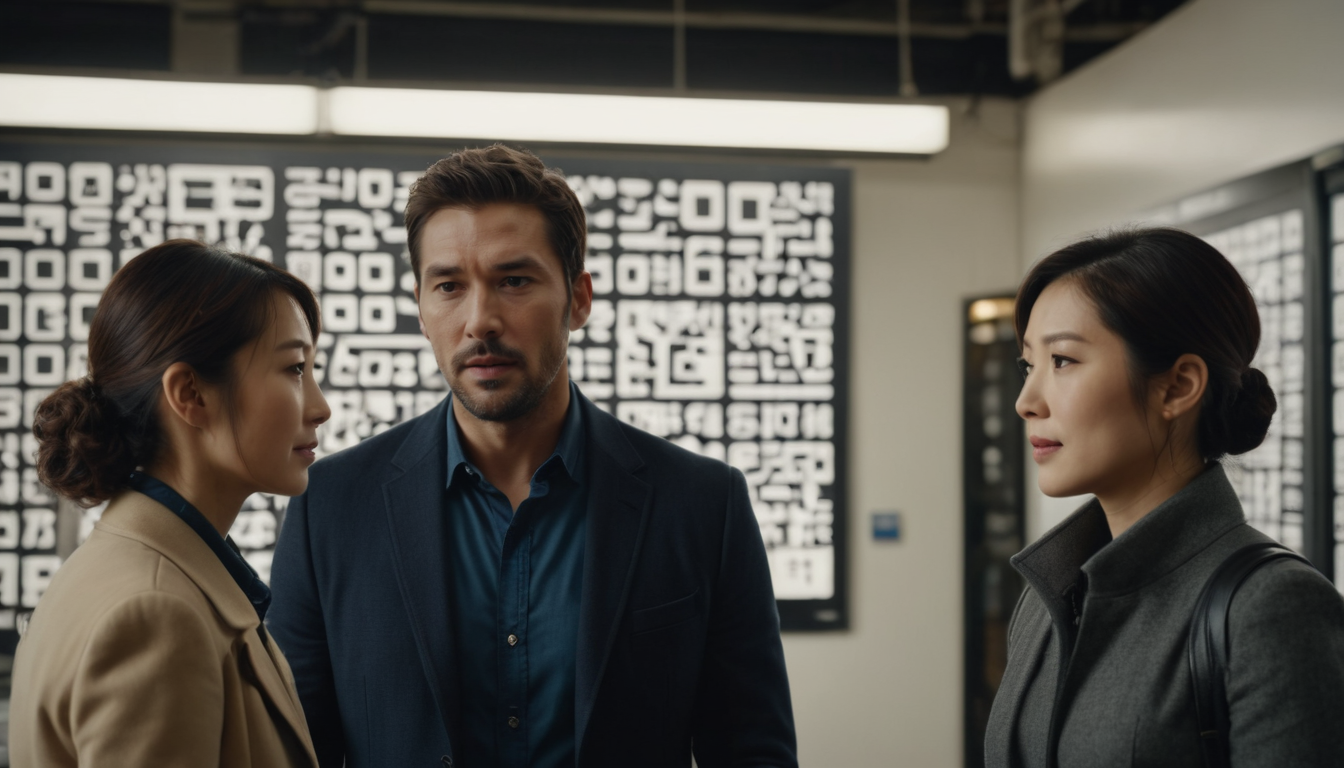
(802, 47)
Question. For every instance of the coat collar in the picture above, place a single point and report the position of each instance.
(138, 517)
(1166, 538)
(1159, 543)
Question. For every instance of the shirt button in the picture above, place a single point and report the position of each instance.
(513, 722)
(512, 640)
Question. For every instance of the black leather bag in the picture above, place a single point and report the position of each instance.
(1207, 646)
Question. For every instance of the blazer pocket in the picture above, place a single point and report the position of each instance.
(667, 614)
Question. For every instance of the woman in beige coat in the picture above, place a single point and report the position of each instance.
(148, 649)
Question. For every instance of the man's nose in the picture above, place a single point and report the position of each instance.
(484, 318)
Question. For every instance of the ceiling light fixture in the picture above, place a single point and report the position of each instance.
(118, 104)
(97, 103)
(563, 118)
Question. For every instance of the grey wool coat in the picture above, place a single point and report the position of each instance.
(1113, 688)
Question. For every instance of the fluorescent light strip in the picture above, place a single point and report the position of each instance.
(56, 101)
(104, 103)
(639, 120)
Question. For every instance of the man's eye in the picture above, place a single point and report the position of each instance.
(446, 287)
(515, 281)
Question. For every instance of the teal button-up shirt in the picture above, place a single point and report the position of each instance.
(518, 577)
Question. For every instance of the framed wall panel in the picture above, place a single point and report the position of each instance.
(1269, 227)
(1332, 191)
(720, 319)
(993, 499)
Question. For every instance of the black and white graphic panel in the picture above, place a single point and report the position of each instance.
(719, 319)
(1268, 251)
(1269, 226)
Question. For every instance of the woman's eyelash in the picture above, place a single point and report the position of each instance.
(1023, 367)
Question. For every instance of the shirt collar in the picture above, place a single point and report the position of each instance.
(247, 579)
(568, 451)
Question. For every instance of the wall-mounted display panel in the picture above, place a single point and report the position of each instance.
(993, 493)
(720, 319)
(1332, 182)
(1268, 226)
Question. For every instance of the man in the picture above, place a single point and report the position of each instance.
(516, 578)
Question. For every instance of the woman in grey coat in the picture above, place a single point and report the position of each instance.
(1136, 349)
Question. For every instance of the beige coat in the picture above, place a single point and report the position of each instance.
(145, 652)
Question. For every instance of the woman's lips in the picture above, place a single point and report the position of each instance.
(308, 452)
(1041, 447)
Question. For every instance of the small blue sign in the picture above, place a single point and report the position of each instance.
(886, 526)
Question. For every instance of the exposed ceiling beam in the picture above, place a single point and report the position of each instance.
(1092, 33)
(708, 20)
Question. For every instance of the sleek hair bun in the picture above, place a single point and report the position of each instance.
(82, 448)
(1250, 413)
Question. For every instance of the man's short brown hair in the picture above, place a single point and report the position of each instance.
(498, 174)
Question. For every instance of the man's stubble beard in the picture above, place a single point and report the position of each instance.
(529, 393)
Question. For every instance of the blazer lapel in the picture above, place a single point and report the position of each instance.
(416, 510)
(618, 508)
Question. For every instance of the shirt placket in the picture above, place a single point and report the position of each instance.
(515, 579)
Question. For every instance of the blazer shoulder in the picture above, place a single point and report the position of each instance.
(372, 451)
(666, 457)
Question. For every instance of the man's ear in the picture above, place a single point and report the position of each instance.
(1182, 387)
(185, 397)
(581, 306)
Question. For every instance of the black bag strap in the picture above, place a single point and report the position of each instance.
(1206, 646)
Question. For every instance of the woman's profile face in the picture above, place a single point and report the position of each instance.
(278, 406)
(1088, 435)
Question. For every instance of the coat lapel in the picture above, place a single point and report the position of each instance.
(263, 669)
(1023, 665)
(416, 510)
(146, 520)
(618, 508)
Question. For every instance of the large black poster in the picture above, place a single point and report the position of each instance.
(719, 320)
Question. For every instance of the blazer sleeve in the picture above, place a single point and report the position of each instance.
(149, 688)
(743, 715)
(296, 622)
(1285, 682)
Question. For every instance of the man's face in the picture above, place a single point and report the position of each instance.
(495, 307)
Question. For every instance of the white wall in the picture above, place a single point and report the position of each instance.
(926, 235)
(1217, 90)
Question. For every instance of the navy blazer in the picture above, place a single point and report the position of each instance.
(678, 648)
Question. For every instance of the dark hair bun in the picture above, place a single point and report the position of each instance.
(1251, 412)
(82, 450)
